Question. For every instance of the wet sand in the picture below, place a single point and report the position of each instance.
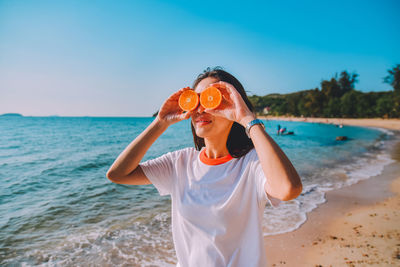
(358, 225)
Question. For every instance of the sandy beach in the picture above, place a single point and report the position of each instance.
(358, 225)
(392, 124)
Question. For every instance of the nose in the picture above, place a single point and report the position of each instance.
(200, 109)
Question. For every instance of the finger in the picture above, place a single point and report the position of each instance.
(184, 116)
(179, 92)
(182, 90)
(222, 88)
(180, 117)
(219, 85)
(190, 113)
(229, 88)
(187, 115)
(227, 101)
(175, 95)
(226, 89)
(223, 85)
(233, 93)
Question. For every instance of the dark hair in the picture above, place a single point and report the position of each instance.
(238, 142)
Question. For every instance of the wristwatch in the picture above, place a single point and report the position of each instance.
(251, 124)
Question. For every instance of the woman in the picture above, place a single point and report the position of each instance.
(218, 189)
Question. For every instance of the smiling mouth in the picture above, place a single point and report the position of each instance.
(203, 122)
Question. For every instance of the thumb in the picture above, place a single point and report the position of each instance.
(185, 116)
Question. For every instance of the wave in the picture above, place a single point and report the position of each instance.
(92, 165)
(292, 214)
(132, 241)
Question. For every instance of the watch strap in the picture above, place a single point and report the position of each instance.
(251, 124)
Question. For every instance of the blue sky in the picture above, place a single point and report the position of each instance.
(124, 58)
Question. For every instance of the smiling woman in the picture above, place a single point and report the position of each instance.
(218, 189)
(237, 143)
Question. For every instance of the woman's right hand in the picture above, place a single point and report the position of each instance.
(170, 112)
(126, 168)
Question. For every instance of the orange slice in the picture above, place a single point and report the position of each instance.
(211, 97)
(188, 100)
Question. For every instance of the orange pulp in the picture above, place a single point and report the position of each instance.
(188, 100)
(211, 97)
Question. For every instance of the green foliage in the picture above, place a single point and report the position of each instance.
(384, 105)
(332, 109)
(394, 78)
(337, 98)
(331, 88)
(347, 104)
(347, 81)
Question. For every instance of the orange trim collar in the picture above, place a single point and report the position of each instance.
(217, 161)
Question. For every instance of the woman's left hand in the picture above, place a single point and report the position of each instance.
(232, 106)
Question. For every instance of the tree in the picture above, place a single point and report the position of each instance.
(256, 101)
(332, 109)
(303, 111)
(349, 104)
(347, 81)
(331, 88)
(337, 88)
(363, 107)
(394, 78)
(336, 98)
(292, 102)
(314, 102)
(384, 106)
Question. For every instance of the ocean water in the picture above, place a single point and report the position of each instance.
(58, 208)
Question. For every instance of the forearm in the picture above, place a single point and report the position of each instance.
(283, 180)
(130, 158)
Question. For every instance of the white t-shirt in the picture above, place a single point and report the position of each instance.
(217, 210)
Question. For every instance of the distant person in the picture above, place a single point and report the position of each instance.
(281, 130)
(220, 187)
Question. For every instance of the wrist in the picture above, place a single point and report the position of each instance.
(253, 123)
(245, 120)
(161, 123)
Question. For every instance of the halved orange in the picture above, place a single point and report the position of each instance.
(211, 97)
(188, 100)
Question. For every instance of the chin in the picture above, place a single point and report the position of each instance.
(200, 133)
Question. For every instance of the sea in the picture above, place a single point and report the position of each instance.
(57, 208)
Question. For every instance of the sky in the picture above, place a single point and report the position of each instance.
(124, 58)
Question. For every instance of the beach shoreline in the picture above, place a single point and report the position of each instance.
(390, 124)
(356, 226)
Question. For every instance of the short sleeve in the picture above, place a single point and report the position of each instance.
(261, 179)
(161, 172)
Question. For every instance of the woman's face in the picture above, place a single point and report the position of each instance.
(205, 124)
